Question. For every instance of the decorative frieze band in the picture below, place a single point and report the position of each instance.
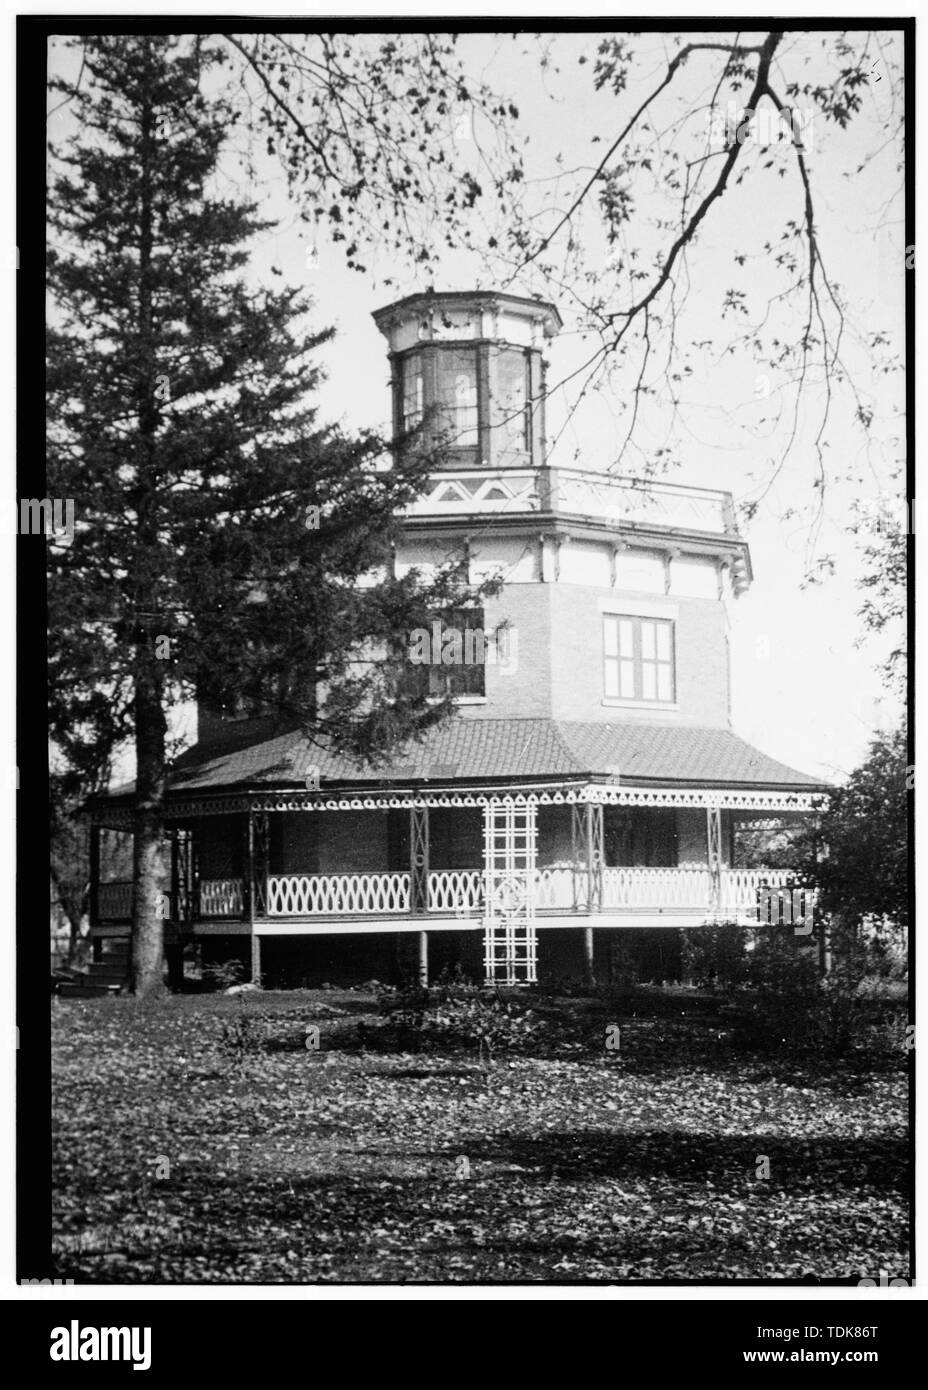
(564, 795)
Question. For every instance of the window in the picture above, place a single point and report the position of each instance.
(457, 395)
(449, 657)
(513, 414)
(412, 391)
(639, 662)
(644, 836)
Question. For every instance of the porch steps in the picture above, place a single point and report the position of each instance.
(109, 975)
(88, 991)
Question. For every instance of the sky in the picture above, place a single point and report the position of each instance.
(804, 688)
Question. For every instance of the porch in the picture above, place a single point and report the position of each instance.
(630, 895)
(507, 865)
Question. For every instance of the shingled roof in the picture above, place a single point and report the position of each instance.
(469, 750)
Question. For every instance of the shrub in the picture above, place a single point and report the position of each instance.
(225, 973)
(782, 986)
(487, 1024)
(715, 957)
(242, 1034)
(454, 1012)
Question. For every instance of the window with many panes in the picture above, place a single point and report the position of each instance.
(639, 660)
(475, 398)
(413, 396)
(512, 415)
(456, 665)
(456, 390)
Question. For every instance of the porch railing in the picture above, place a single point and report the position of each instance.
(577, 491)
(114, 901)
(221, 897)
(459, 892)
(738, 897)
(672, 889)
(308, 895)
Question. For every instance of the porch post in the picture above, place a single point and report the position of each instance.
(595, 854)
(588, 959)
(593, 826)
(175, 912)
(94, 875)
(419, 860)
(714, 856)
(424, 958)
(250, 900)
(578, 857)
(586, 834)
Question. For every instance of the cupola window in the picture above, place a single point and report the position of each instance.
(512, 415)
(456, 372)
(413, 394)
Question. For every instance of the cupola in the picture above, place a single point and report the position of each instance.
(469, 367)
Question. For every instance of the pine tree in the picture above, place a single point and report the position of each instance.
(221, 530)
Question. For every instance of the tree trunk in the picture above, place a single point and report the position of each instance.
(75, 940)
(147, 945)
(73, 903)
(146, 954)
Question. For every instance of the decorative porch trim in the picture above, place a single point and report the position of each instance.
(578, 794)
(602, 794)
(714, 854)
(419, 859)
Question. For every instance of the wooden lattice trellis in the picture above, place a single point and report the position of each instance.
(510, 940)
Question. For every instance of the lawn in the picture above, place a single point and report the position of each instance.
(174, 1162)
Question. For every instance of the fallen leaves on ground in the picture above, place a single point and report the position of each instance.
(174, 1164)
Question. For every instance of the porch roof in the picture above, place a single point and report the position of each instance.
(469, 750)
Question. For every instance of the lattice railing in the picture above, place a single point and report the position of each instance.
(457, 891)
(555, 888)
(670, 888)
(460, 892)
(114, 901)
(577, 491)
(687, 889)
(654, 503)
(307, 895)
(482, 490)
(738, 897)
(221, 897)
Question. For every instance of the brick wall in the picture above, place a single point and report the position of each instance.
(700, 628)
(691, 836)
(557, 628)
(221, 846)
(351, 841)
(295, 842)
(525, 692)
(692, 847)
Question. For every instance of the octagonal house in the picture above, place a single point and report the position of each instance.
(589, 781)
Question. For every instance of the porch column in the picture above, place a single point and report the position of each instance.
(419, 860)
(174, 955)
(595, 855)
(586, 827)
(579, 878)
(424, 958)
(250, 899)
(174, 908)
(588, 956)
(94, 875)
(714, 856)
